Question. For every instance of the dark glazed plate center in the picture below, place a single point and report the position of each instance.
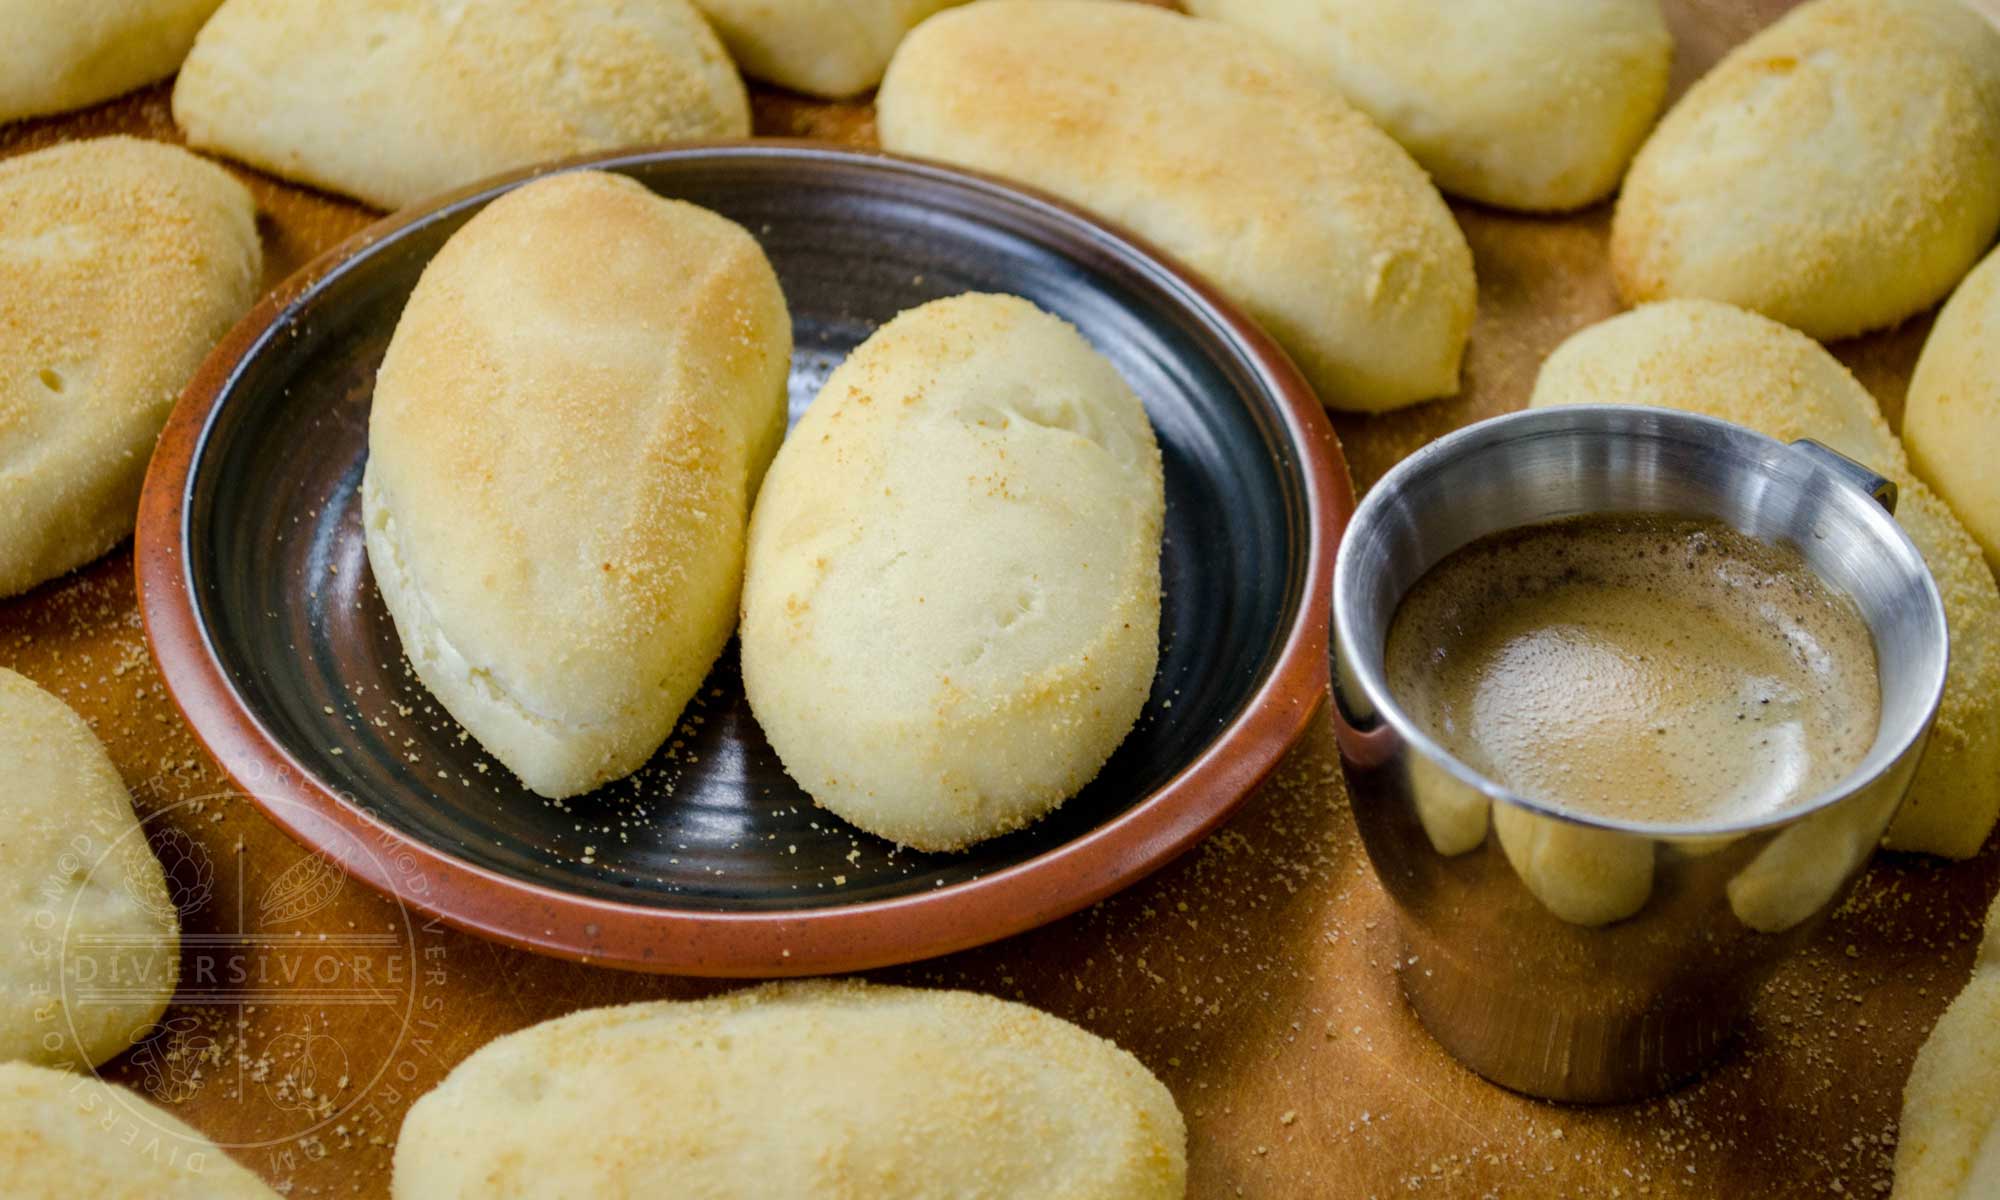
(281, 583)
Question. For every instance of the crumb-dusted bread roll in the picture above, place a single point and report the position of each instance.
(951, 609)
(831, 48)
(1948, 1145)
(391, 101)
(568, 428)
(74, 868)
(1837, 172)
(1527, 104)
(1226, 152)
(64, 1135)
(824, 1089)
(62, 54)
(121, 263)
(1951, 419)
(1711, 358)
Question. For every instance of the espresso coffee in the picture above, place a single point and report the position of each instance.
(1645, 668)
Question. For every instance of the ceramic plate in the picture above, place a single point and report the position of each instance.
(274, 642)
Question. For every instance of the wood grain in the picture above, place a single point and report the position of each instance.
(1257, 976)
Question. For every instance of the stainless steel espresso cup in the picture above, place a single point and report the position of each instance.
(1575, 957)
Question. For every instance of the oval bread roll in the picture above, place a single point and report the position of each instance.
(59, 56)
(1951, 419)
(1527, 104)
(1948, 1146)
(569, 424)
(391, 101)
(951, 611)
(831, 1089)
(831, 48)
(1724, 362)
(1837, 172)
(121, 263)
(1227, 153)
(74, 868)
(64, 1135)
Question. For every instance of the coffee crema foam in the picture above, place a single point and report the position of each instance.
(1646, 668)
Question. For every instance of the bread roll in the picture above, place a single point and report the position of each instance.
(121, 264)
(1528, 104)
(830, 48)
(1948, 1147)
(64, 54)
(1837, 172)
(569, 424)
(1711, 358)
(391, 101)
(64, 1135)
(798, 1089)
(951, 613)
(1951, 420)
(74, 868)
(1224, 151)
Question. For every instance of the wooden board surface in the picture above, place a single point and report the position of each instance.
(1257, 976)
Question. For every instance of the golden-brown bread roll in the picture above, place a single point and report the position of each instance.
(568, 428)
(1837, 172)
(391, 101)
(1226, 152)
(822, 1089)
(1527, 104)
(63, 54)
(83, 901)
(64, 1136)
(830, 48)
(121, 263)
(1951, 418)
(1711, 358)
(951, 610)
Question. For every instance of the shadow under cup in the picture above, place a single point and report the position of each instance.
(1586, 959)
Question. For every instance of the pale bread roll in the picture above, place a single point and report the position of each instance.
(1948, 1146)
(64, 54)
(1526, 104)
(951, 609)
(1711, 358)
(121, 263)
(833, 1089)
(1951, 419)
(1229, 154)
(1837, 172)
(64, 1136)
(568, 428)
(830, 48)
(74, 868)
(391, 101)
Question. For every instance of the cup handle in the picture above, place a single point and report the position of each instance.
(1881, 488)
